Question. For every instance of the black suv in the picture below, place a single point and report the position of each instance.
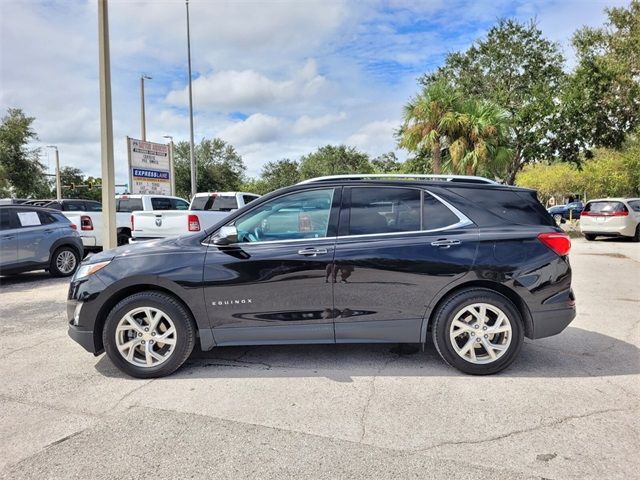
(346, 259)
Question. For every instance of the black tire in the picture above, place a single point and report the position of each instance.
(636, 237)
(445, 315)
(181, 318)
(57, 267)
(123, 239)
(590, 236)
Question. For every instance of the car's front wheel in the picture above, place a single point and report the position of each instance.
(590, 236)
(478, 331)
(149, 334)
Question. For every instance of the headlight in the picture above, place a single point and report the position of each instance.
(90, 269)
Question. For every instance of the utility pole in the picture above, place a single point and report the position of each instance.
(106, 131)
(58, 183)
(143, 126)
(194, 188)
(171, 165)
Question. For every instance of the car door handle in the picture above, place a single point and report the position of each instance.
(8, 237)
(445, 243)
(312, 252)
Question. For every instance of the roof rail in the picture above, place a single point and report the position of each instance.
(365, 176)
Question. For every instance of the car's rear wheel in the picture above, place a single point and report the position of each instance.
(478, 331)
(123, 238)
(64, 262)
(636, 237)
(590, 236)
(149, 334)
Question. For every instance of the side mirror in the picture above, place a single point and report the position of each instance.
(226, 235)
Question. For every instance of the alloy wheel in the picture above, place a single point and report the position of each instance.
(146, 337)
(480, 333)
(66, 262)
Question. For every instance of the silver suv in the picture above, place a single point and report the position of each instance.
(34, 238)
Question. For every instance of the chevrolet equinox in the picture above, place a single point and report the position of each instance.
(341, 259)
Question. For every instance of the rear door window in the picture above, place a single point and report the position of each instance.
(93, 206)
(161, 203)
(180, 204)
(129, 205)
(635, 205)
(248, 198)
(73, 206)
(384, 210)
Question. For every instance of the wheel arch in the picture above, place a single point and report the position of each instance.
(500, 288)
(127, 291)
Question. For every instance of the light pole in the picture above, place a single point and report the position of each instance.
(171, 168)
(192, 156)
(106, 131)
(58, 185)
(143, 127)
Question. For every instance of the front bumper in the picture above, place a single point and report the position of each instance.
(84, 337)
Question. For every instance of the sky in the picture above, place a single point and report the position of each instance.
(277, 79)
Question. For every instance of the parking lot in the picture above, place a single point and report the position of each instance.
(568, 407)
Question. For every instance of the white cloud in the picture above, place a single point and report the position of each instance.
(258, 128)
(306, 124)
(247, 89)
(375, 137)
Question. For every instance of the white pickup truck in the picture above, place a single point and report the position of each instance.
(87, 215)
(206, 209)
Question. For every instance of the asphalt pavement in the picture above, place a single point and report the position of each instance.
(568, 407)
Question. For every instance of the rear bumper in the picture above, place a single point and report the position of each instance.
(552, 322)
(626, 230)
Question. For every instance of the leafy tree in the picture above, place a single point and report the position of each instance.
(281, 173)
(22, 170)
(219, 167)
(387, 163)
(424, 127)
(601, 99)
(556, 180)
(518, 69)
(70, 176)
(334, 160)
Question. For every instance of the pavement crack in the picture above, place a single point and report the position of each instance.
(554, 423)
(372, 392)
(64, 439)
(127, 395)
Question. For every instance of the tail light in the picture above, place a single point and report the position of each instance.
(73, 226)
(133, 227)
(86, 223)
(194, 223)
(558, 242)
(622, 213)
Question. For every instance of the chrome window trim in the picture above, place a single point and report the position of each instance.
(463, 222)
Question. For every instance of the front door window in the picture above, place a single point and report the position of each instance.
(301, 215)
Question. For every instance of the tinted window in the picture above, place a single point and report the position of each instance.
(45, 218)
(248, 198)
(635, 205)
(93, 206)
(180, 204)
(384, 210)
(6, 216)
(160, 203)
(216, 203)
(296, 216)
(437, 214)
(54, 205)
(605, 207)
(73, 206)
(129, 205)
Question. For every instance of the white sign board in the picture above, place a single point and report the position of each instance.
(149, 170)
(28, 219)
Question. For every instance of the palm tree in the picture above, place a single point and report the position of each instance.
(478, 137)
(423, 128)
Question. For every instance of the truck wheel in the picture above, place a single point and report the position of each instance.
(123, 239)
(64, 262)
(478, 331)
(590, 236)
(149, 334)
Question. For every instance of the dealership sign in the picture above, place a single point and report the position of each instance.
(149, 168)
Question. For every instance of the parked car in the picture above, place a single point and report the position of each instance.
(572, 210)
(611, 217)
(477, 266)
(35, 238)
(74, 205)
(206, 209)
(87, 214)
